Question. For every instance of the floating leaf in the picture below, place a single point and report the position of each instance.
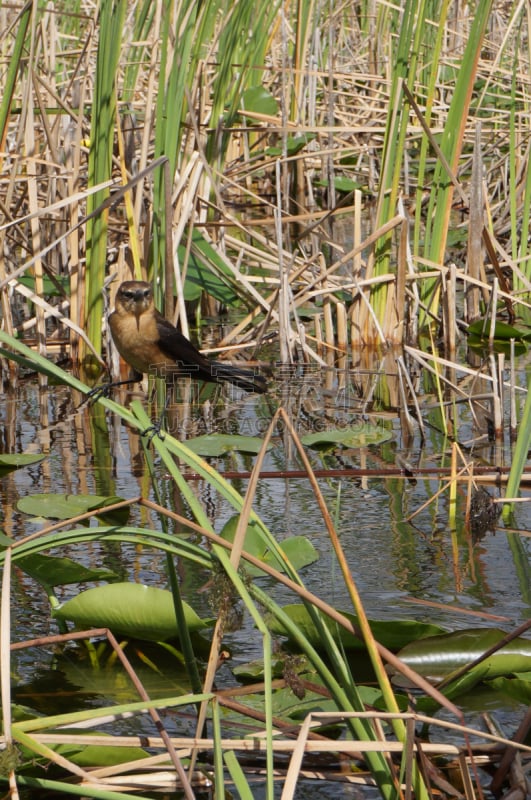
(294, 145)
(341, 184)
(298, 549)
(259, 100)
(518, 687)
(502, 331)
(480, 345)
(129, 609)
(439, 656)
(254, 670)
(57, 571)
(5, 541)
(93, 755)
(393, 634)
(66, 506)
(218, 444)
(12, 461)
(360, 436)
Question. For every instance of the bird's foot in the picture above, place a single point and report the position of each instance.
(103, 390)
(155, 429)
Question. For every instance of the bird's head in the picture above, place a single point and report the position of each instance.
(134, 297)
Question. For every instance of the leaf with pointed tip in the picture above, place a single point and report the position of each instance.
(518, 687)
(360, 436)
(67, 506)
(57, 571)
(299, 551)
(12, 461)
(439, 656)
(218, 444)
(129, 609)
(502, 331)
(259, 100)
(391, 633)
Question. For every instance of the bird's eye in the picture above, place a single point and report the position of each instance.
(128, 294)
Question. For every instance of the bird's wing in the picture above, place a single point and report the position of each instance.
(177, 347)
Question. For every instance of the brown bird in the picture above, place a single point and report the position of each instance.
(151, 344)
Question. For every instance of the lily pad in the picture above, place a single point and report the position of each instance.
(439, 656)
(66, 506)
(502, 331)
(5, 541)
(129, 609)
(518, 687)
(360, 436)
(218, 444)
(93, 755)
(12, 461)
(341, 184)
(298, 549)
(393, 633)
(260, 100)
(57, 571)
(293, 145)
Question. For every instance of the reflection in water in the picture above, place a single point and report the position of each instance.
(393, 522)
(393, 550)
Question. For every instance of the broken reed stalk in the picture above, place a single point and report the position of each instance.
(497, 398)
(341, 325)
(449, 310)
(513, 420)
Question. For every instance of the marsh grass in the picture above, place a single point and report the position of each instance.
(218, 151)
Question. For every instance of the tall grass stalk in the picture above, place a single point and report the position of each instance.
(14, 57)
(14, 63)
(520, 454)
(405, 58)
(104, 106)
(442, 192)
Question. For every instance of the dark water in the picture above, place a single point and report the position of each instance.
(415, 567)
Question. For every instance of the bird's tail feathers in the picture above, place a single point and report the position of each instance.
(247, 379)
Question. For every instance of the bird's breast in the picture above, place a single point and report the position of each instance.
(136, 339)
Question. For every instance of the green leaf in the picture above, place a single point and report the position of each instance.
(341, 184)
(298, 549)
(254, 670)
(294, 145)
(217, 444)
(129, 609)
(207, 272)
(482, 345)
(360, 436)
(259, 100)
(66, 506)
(5, 541)
(502, 331)
(10, 462)
(393, 633)
(57, 571)
(51, 288)
(439, 656)
(93, 755)
(518, 687)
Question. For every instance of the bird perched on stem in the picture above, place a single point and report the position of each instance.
(151, 344)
